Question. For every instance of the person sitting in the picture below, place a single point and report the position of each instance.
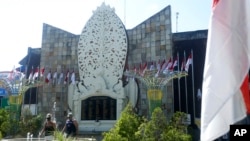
(48, 128)
(71, 126)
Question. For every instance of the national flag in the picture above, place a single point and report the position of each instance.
(54, 77)
(73, 81)
(158, 66)
(226, 68)
(31, 75)
(42, 72)
(48, 78)
(162, 64)
(174, 64)
(66, 77)
(144, 68)
(199, 95)
(189, 62)
(183, 65)
(152, 66)
(168, 65)
(60, 80)
(36, 73)
(11, 75)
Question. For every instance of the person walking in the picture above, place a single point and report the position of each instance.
(48, 128)
(71, 126)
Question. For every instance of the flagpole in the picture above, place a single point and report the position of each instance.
(30, 87)
(179, 90)
(186, 84)
(193, 83)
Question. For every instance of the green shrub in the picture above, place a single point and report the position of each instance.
(131, 127)
(125, 127)
(5, 124)
(30, 123)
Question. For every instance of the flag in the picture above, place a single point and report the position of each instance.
(168, 65)
(199, 95)
(35, 76)
(60, 78)
(183, 65)
(174, 64)
(152, 66)
(66, 78)
(73, 78)
(31, 75)
(54, 77)
(144, 68)
(226, 67)
(48, 78)
(158, 66)
(11, 75)
(42, 72)
(189, 62)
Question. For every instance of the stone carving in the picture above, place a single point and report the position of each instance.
(102, 50)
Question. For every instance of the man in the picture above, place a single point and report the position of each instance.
(71, 126)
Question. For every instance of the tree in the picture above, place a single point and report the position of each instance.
(5, 124)
(125, 127)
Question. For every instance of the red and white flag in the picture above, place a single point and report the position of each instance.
(66, 79)
(168, 65)
(48, 78)
(35, 76)
(183, 65)
(42, 72)
(174, 64)
(60, 80)
(189, 62)
(31, 75)
(73, 81)
(11, 75)
(227, 64)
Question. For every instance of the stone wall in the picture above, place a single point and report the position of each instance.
(151, 41)
(58, 54)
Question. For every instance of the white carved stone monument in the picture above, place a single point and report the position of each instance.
(102, 51)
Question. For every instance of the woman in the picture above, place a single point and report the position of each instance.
(48, 128)
(70, 127)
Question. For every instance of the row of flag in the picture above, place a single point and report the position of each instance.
(51, 77)
(164, 66)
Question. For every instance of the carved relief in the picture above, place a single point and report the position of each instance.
(102, 52)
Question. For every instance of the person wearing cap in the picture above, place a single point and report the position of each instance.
(48, 128)
(71, 126)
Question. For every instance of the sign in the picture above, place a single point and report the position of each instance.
(2, 92)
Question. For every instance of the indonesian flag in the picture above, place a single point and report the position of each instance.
(31, 75)
(152, 66)
(224, 101)
(35, 76)
(174, 64)
(42, 72)
(48, 78)
(189, 62)
(183, 65)
(144, 68)
(66, 78)
(73, 81)
(168, 65)
(60, 78)
(11, 75)
(158, 66)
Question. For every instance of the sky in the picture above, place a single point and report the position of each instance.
(22, 20)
